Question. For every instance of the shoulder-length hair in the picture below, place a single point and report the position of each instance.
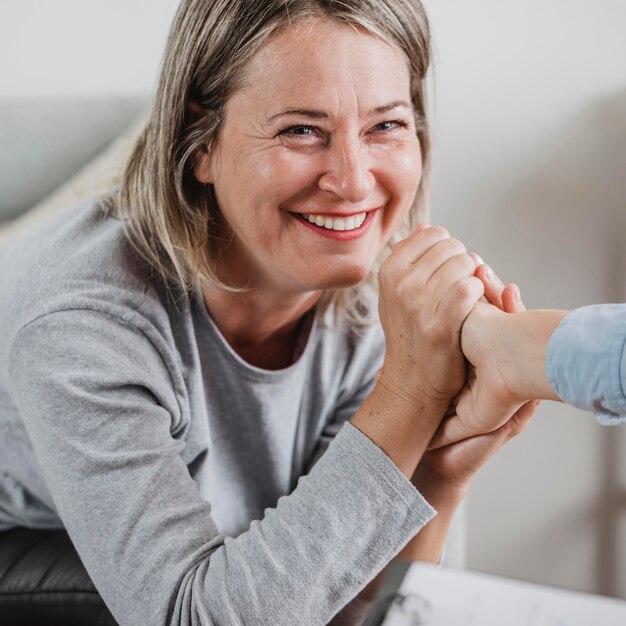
(169, 217)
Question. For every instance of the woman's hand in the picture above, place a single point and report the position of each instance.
(453, 466)
(427, 289)
(443, 475)
(486, 402)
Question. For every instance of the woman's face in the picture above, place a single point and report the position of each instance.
(317, 162)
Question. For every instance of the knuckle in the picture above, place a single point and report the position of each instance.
(450, 248)
(468, 288)
(460, 246)
(451, 245)
(387, 272)
(465, 263)
(405, 291)
(469, 262)
(383, 271)
(439, 232)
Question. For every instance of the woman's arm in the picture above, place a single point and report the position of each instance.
(105, 420)
(444, 476)
(105, 424)
(426, 287)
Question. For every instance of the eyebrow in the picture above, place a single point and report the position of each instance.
(321, 114)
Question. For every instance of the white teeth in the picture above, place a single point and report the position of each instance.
(337, 223)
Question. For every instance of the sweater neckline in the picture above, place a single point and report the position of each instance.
(307, 332)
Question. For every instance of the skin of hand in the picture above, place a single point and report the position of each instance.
(487, 400)
(427, 289)
(443, 475)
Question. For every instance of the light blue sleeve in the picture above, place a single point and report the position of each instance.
(586, 361)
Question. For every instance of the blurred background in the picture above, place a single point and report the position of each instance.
(529, 121)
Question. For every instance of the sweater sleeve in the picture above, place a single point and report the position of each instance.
(586, 361)
(99, 406)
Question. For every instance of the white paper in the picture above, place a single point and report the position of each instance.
(464, 598)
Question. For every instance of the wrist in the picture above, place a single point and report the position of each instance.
(411, 389)
(445, 496)
(444, 493)
(527, 335)
(501, 345)
(400, 425)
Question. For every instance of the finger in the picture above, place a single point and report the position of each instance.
(420, 228)
(493, 285)
(452, 430)
(512, 299)
(515, 424)
(439, 440)
(479, 446)
(522, 418)
(444, 264)
(459, 300)
(419, 242)
(487, 444)
(452, 407)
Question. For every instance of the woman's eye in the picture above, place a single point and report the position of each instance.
(299, 131)
(391, 125)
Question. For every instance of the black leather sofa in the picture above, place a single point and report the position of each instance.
(44, 583)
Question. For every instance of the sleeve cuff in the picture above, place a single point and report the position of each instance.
(387, 478)
(584, 361)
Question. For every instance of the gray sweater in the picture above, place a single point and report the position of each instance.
(191, 483)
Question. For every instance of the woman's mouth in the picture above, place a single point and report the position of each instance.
(343, 227)
(336, 223)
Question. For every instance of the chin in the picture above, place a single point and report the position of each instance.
(340, 278)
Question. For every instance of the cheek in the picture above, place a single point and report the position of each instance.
(401, 176)
(285, 177)
(406, 166)
(400, 163)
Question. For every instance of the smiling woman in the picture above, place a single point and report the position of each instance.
(341, 151)
(287, 85)
(192, 370)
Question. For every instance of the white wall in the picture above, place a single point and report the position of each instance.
(60, 48)
(530, 140)
(530, 126)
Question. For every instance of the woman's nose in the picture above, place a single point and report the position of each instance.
(347, 173)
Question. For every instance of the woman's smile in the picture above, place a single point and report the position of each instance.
(341, 227)
(317, 162)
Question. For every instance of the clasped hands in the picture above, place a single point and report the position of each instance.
(488, 411)
(489, 402)
(441, 308)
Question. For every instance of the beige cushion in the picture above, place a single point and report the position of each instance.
(96, 178)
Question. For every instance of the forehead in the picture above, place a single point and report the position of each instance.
(319, 63)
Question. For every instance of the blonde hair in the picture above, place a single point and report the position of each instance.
(169, 217)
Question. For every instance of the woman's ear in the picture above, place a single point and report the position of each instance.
(202, 168)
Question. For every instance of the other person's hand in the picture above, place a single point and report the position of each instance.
(487, 401)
